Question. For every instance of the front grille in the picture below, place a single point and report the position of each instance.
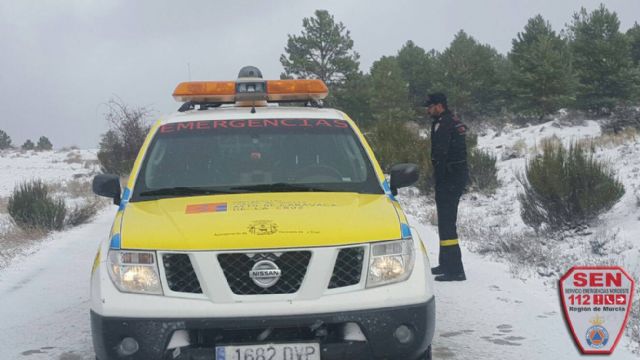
(348, 268)
(236, 268)
(180, 274)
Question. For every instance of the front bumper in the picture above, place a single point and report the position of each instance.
(377, 326)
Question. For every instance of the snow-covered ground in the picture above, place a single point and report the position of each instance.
(503, 310)
(51, 166)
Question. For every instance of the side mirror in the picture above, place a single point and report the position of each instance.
(403, 175)
(108, 186)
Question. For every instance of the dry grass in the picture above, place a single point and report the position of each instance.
(4, 202)
(15, 241)
(520, 147)
(73, 188)
(74, 157)
(609, 140)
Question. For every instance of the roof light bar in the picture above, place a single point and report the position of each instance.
(206, 91)
(283, 90)
(247, 90)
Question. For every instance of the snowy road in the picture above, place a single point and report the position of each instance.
(44, 306)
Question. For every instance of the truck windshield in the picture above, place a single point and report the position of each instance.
(264, 155)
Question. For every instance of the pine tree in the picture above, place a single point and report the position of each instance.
(324, 50)
(44, 144)
(542, 77)
(472, 76)
(352, 97)
(602, 60)
(633, 34)
(28, 145)
(389, 92)
(418, 70)
(5, 140)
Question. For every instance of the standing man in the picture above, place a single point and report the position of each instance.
(449, 159)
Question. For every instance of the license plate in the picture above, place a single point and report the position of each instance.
(294, 351)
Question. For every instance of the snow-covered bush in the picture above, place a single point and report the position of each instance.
(482, 167)
(31, 205)
(565, 188)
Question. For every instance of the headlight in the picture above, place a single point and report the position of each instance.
(134, 271)
(390, 262)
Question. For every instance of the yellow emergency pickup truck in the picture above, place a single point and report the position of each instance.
(253, 231)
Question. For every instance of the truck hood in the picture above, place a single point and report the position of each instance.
(258, 221)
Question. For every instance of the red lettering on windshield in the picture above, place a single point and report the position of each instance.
(203, 125)
(184, 126)
(255, 123)
(252, 123)
(237, 124)
(323, 123)
(166, 128)
(270, 122)
(340, 124)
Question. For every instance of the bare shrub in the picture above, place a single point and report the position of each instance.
(128, 129)
(81, 214)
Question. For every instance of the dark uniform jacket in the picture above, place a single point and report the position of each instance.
(448, 145)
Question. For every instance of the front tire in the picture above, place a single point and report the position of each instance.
(427, 354)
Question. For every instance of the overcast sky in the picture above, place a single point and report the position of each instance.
(61, 60)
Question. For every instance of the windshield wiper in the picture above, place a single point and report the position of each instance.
(278, 187)
(184, 191)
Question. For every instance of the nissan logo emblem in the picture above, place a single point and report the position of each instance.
(265, 273)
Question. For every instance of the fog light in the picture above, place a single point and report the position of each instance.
(403, 334)
(128, 346)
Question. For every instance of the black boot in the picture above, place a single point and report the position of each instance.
(460, 276)
(438, 270)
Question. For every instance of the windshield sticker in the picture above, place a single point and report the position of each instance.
(256, 123)
(206, 208)
(278, 205)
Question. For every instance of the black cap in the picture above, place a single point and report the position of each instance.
(435, 98)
